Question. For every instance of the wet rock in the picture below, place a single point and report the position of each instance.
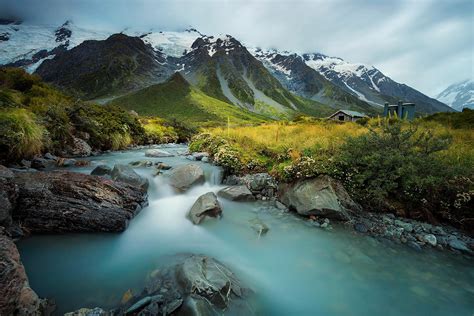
(16, 296)
(162, 166)
(80, 148)
(280, 206)
(124, 173)
(141, 163)
(206, 205)
(88, 312)
(66, 162)
(185, 176)
(406, 226)
(50, 156)
(8, 196)
(361, 228)
(141, 304)
(430, 239)
(237, 193)
(200, 155)
(42, 163)
(457, 244)
(259, 226)
(101, 170)
(158, 153)
(194, 305)
(191, 157)
(205, 159)
(208, 278)
(63, 201)
(321, 196)
(414, 245)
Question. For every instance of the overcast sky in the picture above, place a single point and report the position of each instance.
(427, 44)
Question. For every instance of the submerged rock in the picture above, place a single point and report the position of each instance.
(321, 196)
(259, 227)
(126, 174)
(158, 153)
(237, 193)
(16, 296)
(206, 205)
(63, 201)
(185, 176)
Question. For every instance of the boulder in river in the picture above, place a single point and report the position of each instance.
(102, 170)
(141, 163)
(126, 174)
(63, 201)
(16, 296)
(185, 176)
(321, 196)
(158, 153)
(237, 193)
(206, 205)
(208, 278)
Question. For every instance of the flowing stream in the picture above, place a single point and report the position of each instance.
(295, 269)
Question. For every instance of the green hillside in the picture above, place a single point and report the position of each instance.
(176, 99)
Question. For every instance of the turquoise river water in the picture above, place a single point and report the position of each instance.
(295, 269)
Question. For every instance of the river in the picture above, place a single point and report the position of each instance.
(295, 269)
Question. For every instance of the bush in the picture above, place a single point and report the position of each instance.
(20, 134)
(398, 169)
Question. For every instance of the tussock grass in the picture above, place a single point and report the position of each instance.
(20, 134)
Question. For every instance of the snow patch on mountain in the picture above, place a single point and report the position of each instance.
(459, 95)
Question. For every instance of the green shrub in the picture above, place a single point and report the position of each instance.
(397, 168)
(20, 134)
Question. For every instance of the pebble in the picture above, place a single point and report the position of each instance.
(431, 239)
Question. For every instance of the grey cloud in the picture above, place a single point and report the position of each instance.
(427, 44)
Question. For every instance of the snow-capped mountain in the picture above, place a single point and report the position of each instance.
(221, 66)
(367, 83)
(459, 95)
(27, 45)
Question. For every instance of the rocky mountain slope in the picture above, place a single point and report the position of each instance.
(459, 95)
(366, 83)
(272, 83)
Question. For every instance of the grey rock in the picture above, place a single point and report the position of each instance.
(259, 226)
(237, 193)
(208, 278)
(41, 163)
(63, 201)
(158, 153)
(457, 244)
(191, 157)
(195, 305)
(200, 155)
(126, 174)
(406, 226)
(259, 181)
(205, 159)
(101, 170)
(162, 166)
(16, 296)
(321, 196)
(50, 156)
(430, 239)
(141, 163)
(80, 148)
(68, 162)
(138, 305)
(185, 176)
(206, 205)
(438, 230)
(280, 206)
(361, 228)
(414, 245)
